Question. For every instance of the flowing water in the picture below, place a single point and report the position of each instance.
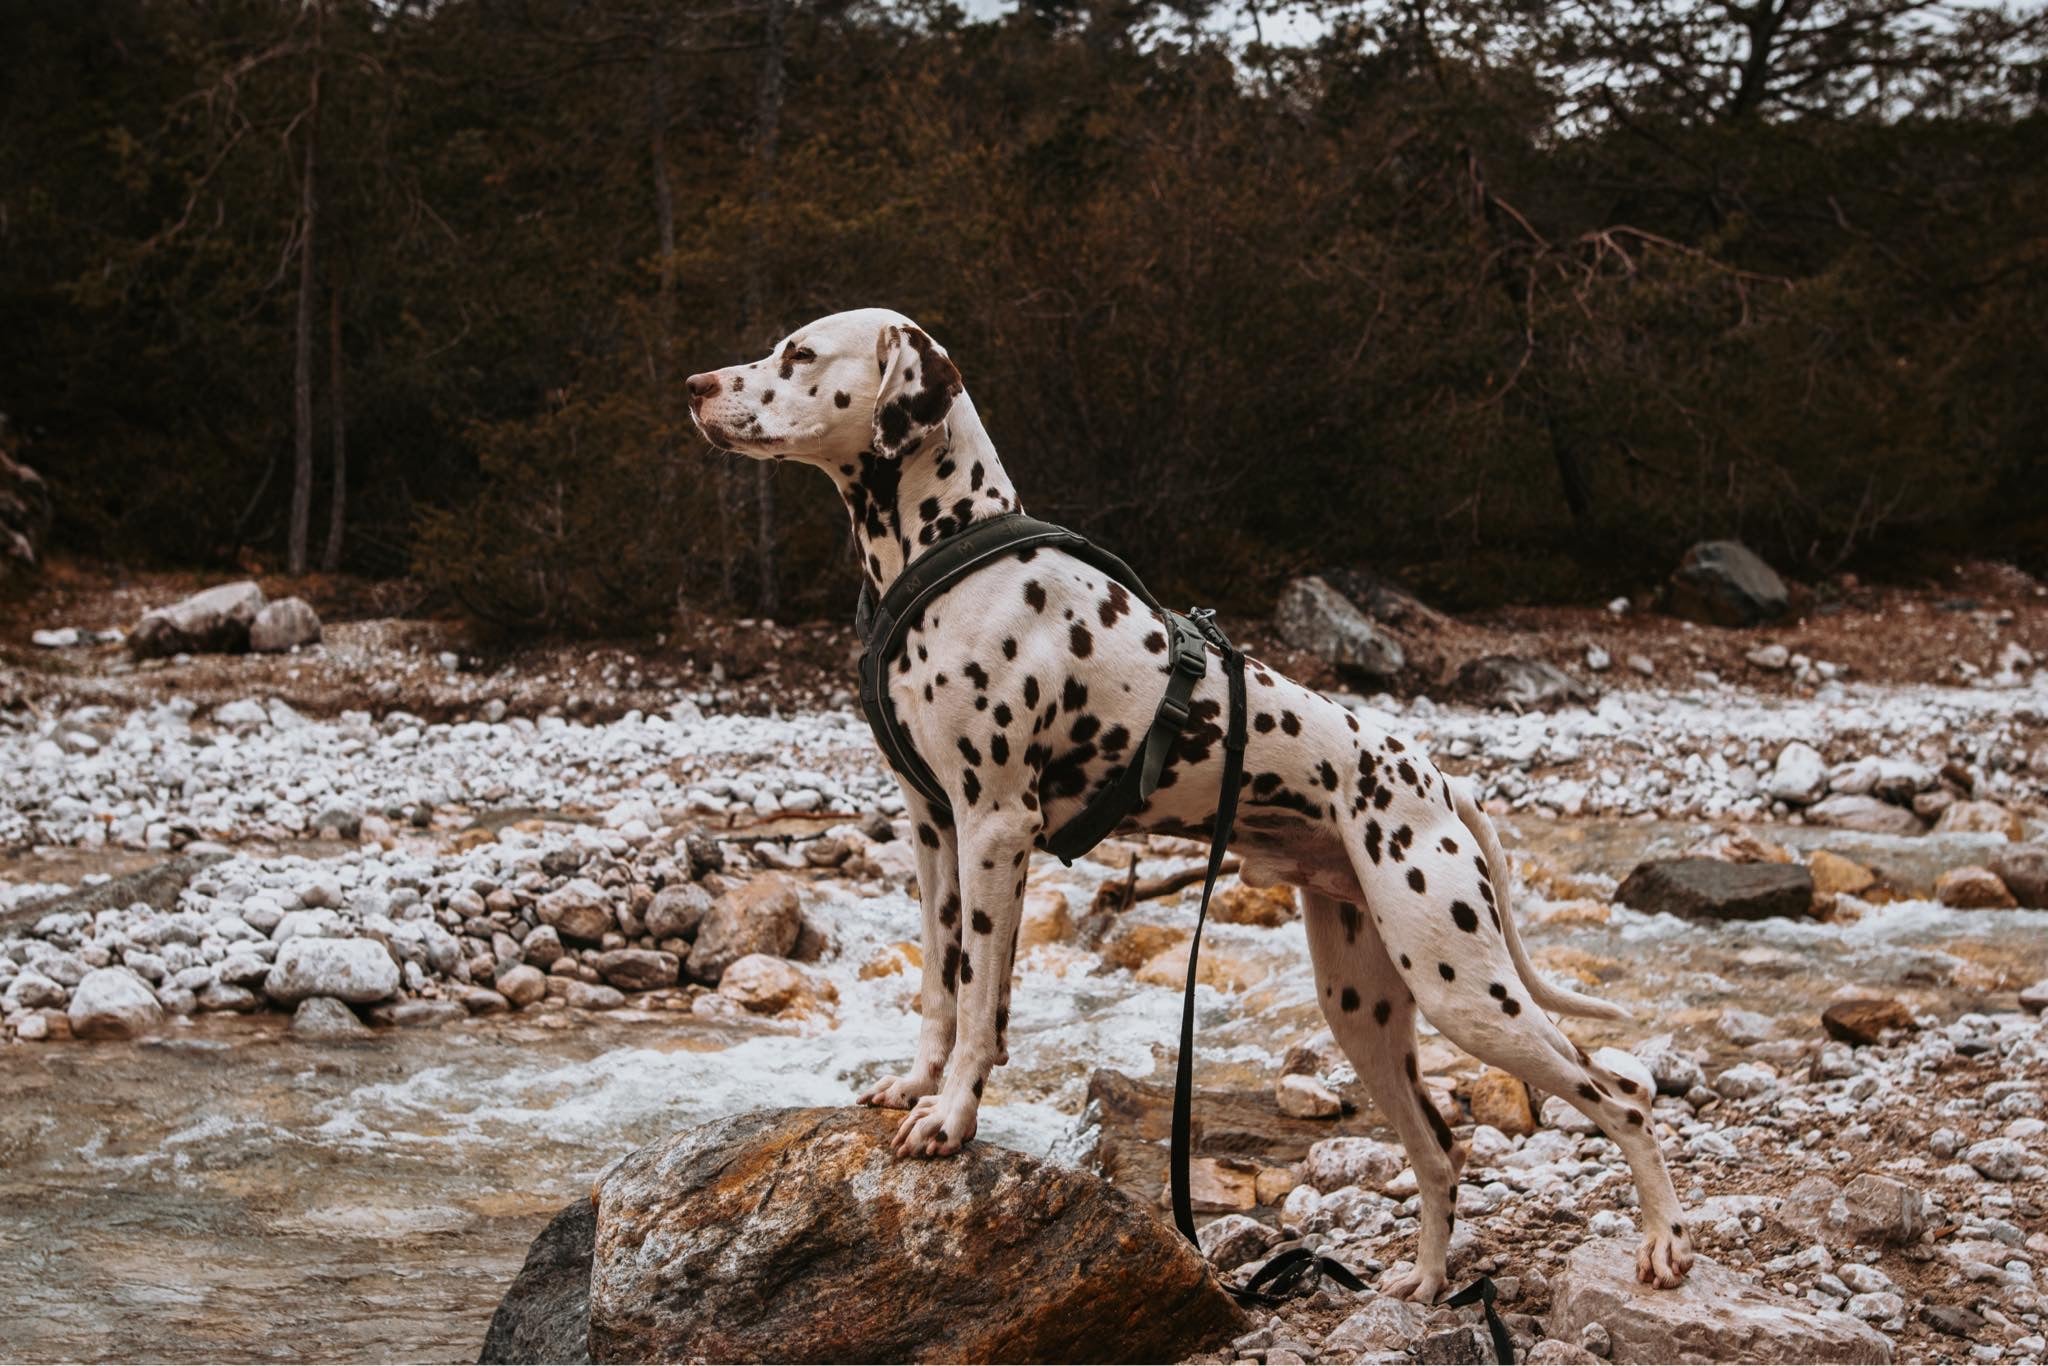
(231, 1191)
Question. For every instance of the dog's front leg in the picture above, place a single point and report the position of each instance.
(938, 890)
(995, 854)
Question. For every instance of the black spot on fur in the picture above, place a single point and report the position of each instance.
(1417, 880)
(1447, 972)
(928, 836)
(1382, 1010)
(1034, 595)
(1465, 917)
(982, 924)
(1079, 641)
(1348, 1001)
(1290, 723)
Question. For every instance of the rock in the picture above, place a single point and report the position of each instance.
(1238, 904)
(1747, 1081)
(1557, 1352)
(522, 985)
(425, 1014)
(1971, 888)
(1876, 1210)
(1502, 1100)
(764, 984)
(113, 1003)
(1716, 1315)
(1464, 1345)
(764, 916)
(1956, 1320)
(637, 969)
(323, 1017)
(1367, 1163)
(545, 1315)
(1771, 658)
(1047, 919)
(1234, 1239)
(1313, 616)
(676, 912)
(1219, 1185)
(2024, 871)
(1673, 1071)
(357, 971)
(1800, 775)
(284, 625)
(2034, 999)
(541, 947)
(579, 909)
(1980, 818)
(221, 996)
(592, 996)
(1306, 1098)
(1385, 1324)
(1709, 889)
(1863, 1021)
(1871, 816)
(1520, 684)
(1725, 583)
(484, 1001)
(216, 621)
(1996, 1159)
(1219, 968)
(796, 1235)
(1834, 875)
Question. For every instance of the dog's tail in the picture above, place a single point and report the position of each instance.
(1546, 994)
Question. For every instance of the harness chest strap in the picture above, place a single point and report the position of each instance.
(884, 625)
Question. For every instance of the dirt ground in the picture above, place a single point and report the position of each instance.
(381, 654)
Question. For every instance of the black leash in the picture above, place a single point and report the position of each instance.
(1219, 840)
(1482, 1293)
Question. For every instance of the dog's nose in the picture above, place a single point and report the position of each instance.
(701, 386)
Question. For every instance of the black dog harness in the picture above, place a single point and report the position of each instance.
(883, 627)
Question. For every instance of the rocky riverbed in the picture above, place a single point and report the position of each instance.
(355, 999)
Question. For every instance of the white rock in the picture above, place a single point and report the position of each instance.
(1997, 1159)
(357, 971)
(1799, 776)
(113, 1003)
(1350, 1161)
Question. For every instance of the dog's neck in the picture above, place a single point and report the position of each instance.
(902, 507)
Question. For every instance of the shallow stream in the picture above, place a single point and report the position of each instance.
(230, 1191)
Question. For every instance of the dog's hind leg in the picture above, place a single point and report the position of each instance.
(1437, 913)
(995, 853)
(938, 890)
(1373, 1018)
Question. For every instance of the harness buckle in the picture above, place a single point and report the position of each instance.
(1175, 708)
(1189, 655)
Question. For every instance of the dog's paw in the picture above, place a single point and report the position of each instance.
(1663, 1259)
(935, 1128)
(897, 1093)
(1413, 1283)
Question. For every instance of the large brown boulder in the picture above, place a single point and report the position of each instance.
(764, 916)
(1710, 889)
(796, 1235)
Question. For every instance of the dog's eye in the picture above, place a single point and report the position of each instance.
(803, 353)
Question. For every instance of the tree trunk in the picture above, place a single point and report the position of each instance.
(337, 511)
(302, 365)
(767, 135)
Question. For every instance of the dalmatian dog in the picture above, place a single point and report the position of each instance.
(1029, 684)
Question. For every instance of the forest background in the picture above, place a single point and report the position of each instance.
(1508, 300)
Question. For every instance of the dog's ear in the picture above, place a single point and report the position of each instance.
(915, 390)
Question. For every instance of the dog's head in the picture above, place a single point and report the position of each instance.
(868, 380)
